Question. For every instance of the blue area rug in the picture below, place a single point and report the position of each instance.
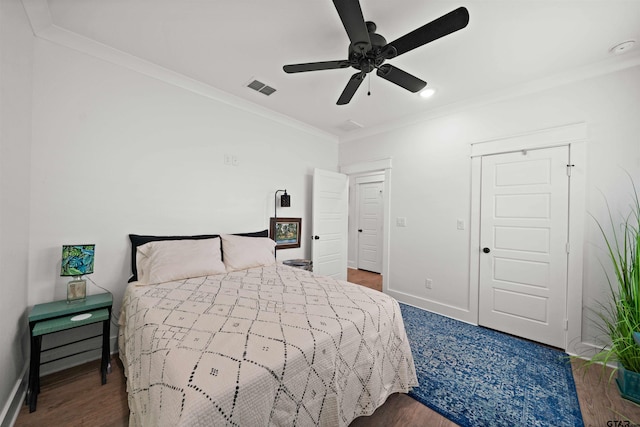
(479, 377)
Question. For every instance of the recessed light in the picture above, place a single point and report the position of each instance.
(622, 47)
(427, 93)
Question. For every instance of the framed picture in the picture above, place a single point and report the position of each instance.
(286, 232)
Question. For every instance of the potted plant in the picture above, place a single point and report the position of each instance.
(620, 317)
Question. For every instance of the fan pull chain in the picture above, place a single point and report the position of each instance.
(369, 90)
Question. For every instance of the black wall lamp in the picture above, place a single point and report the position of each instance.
(285, 202)
(285, 199)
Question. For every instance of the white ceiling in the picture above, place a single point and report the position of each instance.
(508, 46)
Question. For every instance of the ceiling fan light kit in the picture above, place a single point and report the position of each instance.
(368, 50)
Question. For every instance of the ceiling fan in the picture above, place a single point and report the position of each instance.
(368, 50)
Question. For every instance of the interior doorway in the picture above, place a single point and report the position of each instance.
(369, 222)
(382, 170)
(571, 138)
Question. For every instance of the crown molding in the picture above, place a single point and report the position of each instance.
(607, 66)
(38, 14)
(43, 27)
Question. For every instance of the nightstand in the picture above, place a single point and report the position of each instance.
(59, 316)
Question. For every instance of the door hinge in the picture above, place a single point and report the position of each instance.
(569, 169)
(566, 324)
(568, 247)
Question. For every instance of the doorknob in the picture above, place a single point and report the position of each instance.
(486, 250)
(360, 230)
(316, 237)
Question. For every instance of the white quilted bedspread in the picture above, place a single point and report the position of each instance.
(265, 346)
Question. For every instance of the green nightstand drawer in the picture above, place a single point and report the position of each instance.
(62, 323)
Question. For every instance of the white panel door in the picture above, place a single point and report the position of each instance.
(370, 226)
(524, 235)
(330, 213)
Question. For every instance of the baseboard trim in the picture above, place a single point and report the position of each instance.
(457, 313)
(16, 399)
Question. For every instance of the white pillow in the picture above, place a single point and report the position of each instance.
(166, 260)
(242, 252)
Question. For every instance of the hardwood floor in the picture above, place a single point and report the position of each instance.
(365, 278)
(74, 397)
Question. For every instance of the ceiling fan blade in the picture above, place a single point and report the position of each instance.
(351, 88)
(315, 66)
(353, 21)
(446, 24)
(401, 78)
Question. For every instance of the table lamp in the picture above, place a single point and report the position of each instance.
(77, 260)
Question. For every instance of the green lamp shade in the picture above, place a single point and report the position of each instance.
(77, 260)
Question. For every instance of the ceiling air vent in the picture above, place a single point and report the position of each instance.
(350, 125)
(261, 87)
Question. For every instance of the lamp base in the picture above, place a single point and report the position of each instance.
(76, 291)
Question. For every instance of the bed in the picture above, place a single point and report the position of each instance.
(228, 336)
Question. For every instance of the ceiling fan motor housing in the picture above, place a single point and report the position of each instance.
(372, 58)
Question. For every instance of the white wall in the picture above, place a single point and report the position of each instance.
(15, 132)
(431, 180)
(100, 151)
(117, 152)
(91, 151)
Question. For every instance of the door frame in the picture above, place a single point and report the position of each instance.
(574, 136)
(359, 180)
(382, 166)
